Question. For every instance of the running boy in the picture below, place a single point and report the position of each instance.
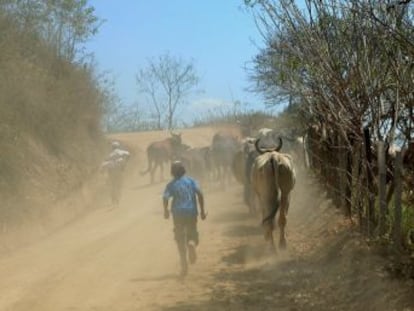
(183, 190)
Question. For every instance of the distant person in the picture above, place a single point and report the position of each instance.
(114, 164)
(184, 192)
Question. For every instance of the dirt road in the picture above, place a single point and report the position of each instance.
(124, 259)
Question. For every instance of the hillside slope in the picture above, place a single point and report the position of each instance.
(50, 133)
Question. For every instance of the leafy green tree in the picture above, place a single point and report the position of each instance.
(64, 24)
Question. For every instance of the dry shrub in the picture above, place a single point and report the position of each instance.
(50, 112)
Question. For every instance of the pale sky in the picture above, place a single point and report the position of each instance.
(219, 35)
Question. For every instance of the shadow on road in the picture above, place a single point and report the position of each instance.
(243, 230)
(165, 277)
(324, 269)
(231, 216)
(324, 280)
(244, 254)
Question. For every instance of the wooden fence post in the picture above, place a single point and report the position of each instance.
(382, 171)
(371, 192)
(357, 185)
(348, 179)
(397, 202)
(343, 168)
(342, 174)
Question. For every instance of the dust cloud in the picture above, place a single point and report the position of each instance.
(125, 258)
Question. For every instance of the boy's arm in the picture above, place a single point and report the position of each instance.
(200, 197)
(166, 211)
(165, 199)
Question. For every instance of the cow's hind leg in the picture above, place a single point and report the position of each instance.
(157, 166)
(284, 205)
(248, 198)
(269, 236)
(268, 225)
(161, 171)
(152, 172)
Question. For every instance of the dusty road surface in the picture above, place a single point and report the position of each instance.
(124, 258)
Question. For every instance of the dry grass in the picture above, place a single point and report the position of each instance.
(50, 113)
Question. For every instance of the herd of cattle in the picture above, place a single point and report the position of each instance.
(267, 174)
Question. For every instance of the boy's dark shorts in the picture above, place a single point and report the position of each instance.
(185, 228)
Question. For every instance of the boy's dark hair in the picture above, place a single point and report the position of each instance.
(177, 169)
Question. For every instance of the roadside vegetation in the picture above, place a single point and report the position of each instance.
(346, 67)
(50, 104)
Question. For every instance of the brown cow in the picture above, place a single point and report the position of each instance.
(224, 146)
(407, 155)
(160, 152)
(239, 159)
(241, 166)
(408, 175)
(197, 162)
(273, 173)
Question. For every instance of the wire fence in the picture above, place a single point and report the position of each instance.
(372, 185)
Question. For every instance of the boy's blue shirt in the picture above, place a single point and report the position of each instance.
(183, 192)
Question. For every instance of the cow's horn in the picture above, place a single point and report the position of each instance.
(261, 150)
(280, 144)
(256, 144)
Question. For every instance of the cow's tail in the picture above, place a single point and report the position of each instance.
(275, 173)
(149, 165)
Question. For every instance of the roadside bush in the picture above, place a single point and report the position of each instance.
(50, 113)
